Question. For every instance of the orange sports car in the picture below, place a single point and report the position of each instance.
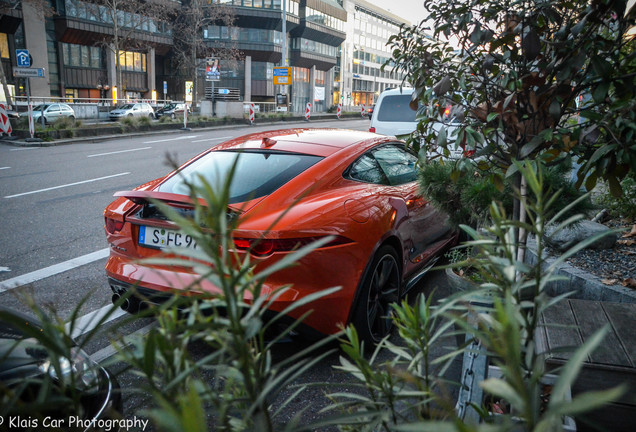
(358, 187)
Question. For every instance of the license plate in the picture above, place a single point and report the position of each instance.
(164, 238)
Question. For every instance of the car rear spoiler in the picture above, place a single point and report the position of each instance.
(146, 197)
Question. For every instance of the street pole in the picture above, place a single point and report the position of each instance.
(28, 92)
(212, 85)
(284, 34)
(284, 60)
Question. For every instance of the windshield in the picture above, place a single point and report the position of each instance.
(127, 106)
(258, 173)
(169, 107)
(396, 109)
(40, 107)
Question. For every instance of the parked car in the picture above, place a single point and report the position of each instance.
(27, 373)
(139, 109)
(359, 187)
(172, 110)
(13, 114)
(394, 116)
(52, 112)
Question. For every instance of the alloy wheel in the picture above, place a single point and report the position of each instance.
(383, 291)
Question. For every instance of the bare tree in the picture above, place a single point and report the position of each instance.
(192, 48)
(128, 17)
(42, 8)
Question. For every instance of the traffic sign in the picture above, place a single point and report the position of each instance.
(282, 75)
(22, 57)
(28, 72)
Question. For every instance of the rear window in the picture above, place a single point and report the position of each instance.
(258, 173)
(396, 109)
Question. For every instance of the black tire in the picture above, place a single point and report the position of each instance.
(130, 115)
(380, 289)
(72, 118)
(152, 117)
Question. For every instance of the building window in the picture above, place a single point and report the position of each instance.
(132, 61)
(309, 45)
(82, 56)
(71, 94)
(318, 17)
(4, 46)
(102, 14)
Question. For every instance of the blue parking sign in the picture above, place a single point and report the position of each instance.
(23, 59)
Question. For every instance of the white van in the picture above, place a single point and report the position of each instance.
(394, 117)
(392, 114)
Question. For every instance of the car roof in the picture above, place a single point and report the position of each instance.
(318, 142)
(397, 91)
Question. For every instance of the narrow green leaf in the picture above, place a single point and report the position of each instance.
(491, 116)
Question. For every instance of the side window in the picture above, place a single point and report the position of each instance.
(54, 108)
(398, 165)
(366, 169)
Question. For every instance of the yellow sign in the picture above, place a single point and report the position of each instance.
(189, 87)
(282, 75)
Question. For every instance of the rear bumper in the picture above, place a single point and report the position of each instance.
(322, 269)
(154, 297)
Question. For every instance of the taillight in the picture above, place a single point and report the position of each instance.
(467, 153)
(447, 111)
(372, 129)
(113, 226)
(264, 247)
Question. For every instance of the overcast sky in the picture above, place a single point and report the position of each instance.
(412, 10)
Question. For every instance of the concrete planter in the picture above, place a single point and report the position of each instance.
(459, 284)
(548, 380)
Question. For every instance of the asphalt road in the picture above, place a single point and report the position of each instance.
(52, 242)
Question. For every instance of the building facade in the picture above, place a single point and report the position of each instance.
(92, 50)
(365, 51)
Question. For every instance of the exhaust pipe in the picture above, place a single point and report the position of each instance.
(126, 305)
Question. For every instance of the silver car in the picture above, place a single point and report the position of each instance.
(52, 112)
(138, 109)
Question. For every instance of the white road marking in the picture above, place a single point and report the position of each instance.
(212, 139)
(2, 168)
(121, 151)
(37, 275)
(26, 148)
(88, 322)
(171, 139)
(67, 185)
(109, 351)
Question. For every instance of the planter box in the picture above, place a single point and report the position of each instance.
(548, 380)
(459, 283)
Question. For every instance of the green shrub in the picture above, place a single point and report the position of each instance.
(165, 119)
(407, 392)
(623, 206)
(465, 192)
(129, 122)
(144, 121)
(63, 123)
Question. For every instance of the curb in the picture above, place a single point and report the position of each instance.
(99, 138)
(586, 286)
